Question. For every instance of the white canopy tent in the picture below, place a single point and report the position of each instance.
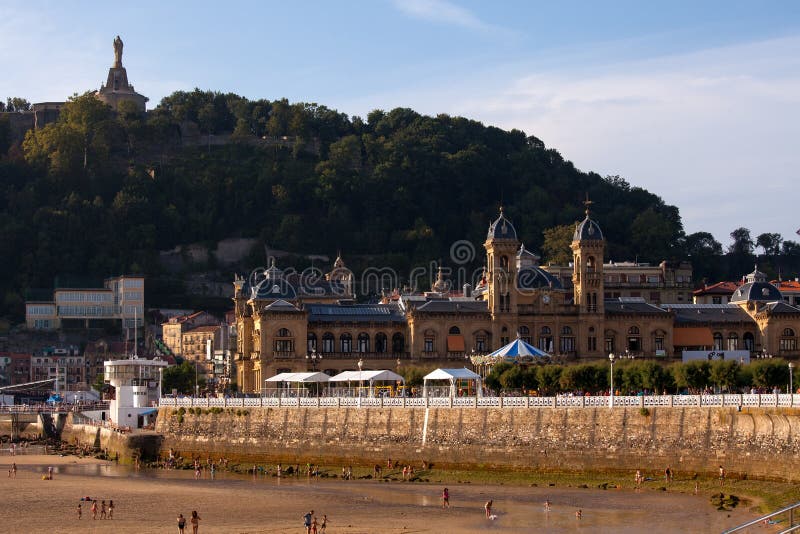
(452, 375)
(296, 378)
(368, 376)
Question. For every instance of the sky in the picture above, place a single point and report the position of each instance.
(697, 102)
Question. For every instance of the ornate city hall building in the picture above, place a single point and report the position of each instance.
(285, 323)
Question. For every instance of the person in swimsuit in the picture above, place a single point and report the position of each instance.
(307, 521)
(102, 509)
(547, 505)
(488, 508)
(181, 523)
(80, 511)
(111, 509)
(94, 509)
(445, 498)
(324, 524)
(195, 520)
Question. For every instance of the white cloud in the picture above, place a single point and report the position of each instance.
(713, 132)
(442, 11)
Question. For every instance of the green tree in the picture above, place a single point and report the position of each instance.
(770, 373)
(492, 380)
(549, 378)
(770, 243)
(556, 244)
(723, 374)
(182, 378)
(17, 105)
(742, 242)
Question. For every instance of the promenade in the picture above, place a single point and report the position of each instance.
(739, 401)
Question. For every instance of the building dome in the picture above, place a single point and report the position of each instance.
(758, 292)
(502, 228)
(534, 277)
(588, 230)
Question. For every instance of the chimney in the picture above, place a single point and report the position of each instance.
(467, 290)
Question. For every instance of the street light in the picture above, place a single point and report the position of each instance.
(791, 381)
(314, 358)
(611, 396)
(360, 365)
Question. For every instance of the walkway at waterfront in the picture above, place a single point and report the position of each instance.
(771, 400)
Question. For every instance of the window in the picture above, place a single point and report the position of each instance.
(592, 343)
(749, 341)
(567, 344)
(717, 341)
(454, 331)
(327, 342)
(398, 343)
(733, 342)
(524, 334)
(428, 346)
(380, 342)
(480, 343)
(283, 332)
(363, 342)
(311, 345)
(346, 341)
(788, 332)
(716, 300)
(788, 341)
(546, 339)
(566, 331)
(633, 331)
(659, 342)
(609, 344)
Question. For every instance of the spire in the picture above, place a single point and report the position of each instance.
(588, 203)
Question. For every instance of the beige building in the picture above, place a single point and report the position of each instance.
(280, 328)
(172, 331)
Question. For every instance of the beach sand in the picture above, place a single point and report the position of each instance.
(149, 501)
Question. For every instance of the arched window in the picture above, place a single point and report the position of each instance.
(327, 342)
(283, 341)
(504, 336)
(788, 341)
(546, 330)
(363, 342)
(346, 342)
(546, 339)
(566, 331)
(454, 331)
(481, 344)
(733, 341)
(566, 340)
(311, 345)
(633, 331)
(504, 263)
(717, 341)
(398, 343)
(634, 339)
(380, 342)
(429, 341)
(749, 341)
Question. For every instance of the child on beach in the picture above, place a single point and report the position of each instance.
(324, 524)
(94, 509)
(181, 523)
(195, 520)
(488, 508)
(111, 509)
(445, 498)
(80, 512)
(102, 509)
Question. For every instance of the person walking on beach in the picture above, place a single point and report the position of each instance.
(80, 511)
(102, 509)
(668, 475)
(547, 505)
(111, 509)
(12, 473)
(50, 473)
(488, 508)
(181, 524)
(307, 521)
(324, 524)
(314, 525)
(445, 498)
(721, 476)
(94, 509)
(195, 521)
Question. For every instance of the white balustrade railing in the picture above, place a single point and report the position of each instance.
(747, 400)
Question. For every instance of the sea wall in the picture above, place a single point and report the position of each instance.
(759, 443)
(126, 446)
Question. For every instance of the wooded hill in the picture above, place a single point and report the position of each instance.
(99, 193)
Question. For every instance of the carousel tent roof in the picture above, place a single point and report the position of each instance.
(299, 377)
(371, 376)
(518, 348)
(448, 374)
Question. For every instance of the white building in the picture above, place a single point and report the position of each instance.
(137, 387)
(120, 299)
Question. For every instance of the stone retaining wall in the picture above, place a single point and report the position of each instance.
(758, 443)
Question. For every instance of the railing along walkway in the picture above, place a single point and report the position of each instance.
(775, 518)
(771, 400)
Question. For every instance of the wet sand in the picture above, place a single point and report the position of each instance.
(149, 501)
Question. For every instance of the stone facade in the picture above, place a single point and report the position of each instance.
(284, 326)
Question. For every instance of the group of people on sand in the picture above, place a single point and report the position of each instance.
(194, 520)
(106, 512)
(314, 526)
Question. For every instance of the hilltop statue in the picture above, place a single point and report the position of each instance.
(118, 52)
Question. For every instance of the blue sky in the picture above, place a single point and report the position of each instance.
(695, 101)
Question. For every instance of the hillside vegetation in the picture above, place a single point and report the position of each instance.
(99, 193)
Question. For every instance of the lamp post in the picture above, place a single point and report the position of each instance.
(196, 383)
(314, 358)
(611, 392)
(360, 364)
(791, 382)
